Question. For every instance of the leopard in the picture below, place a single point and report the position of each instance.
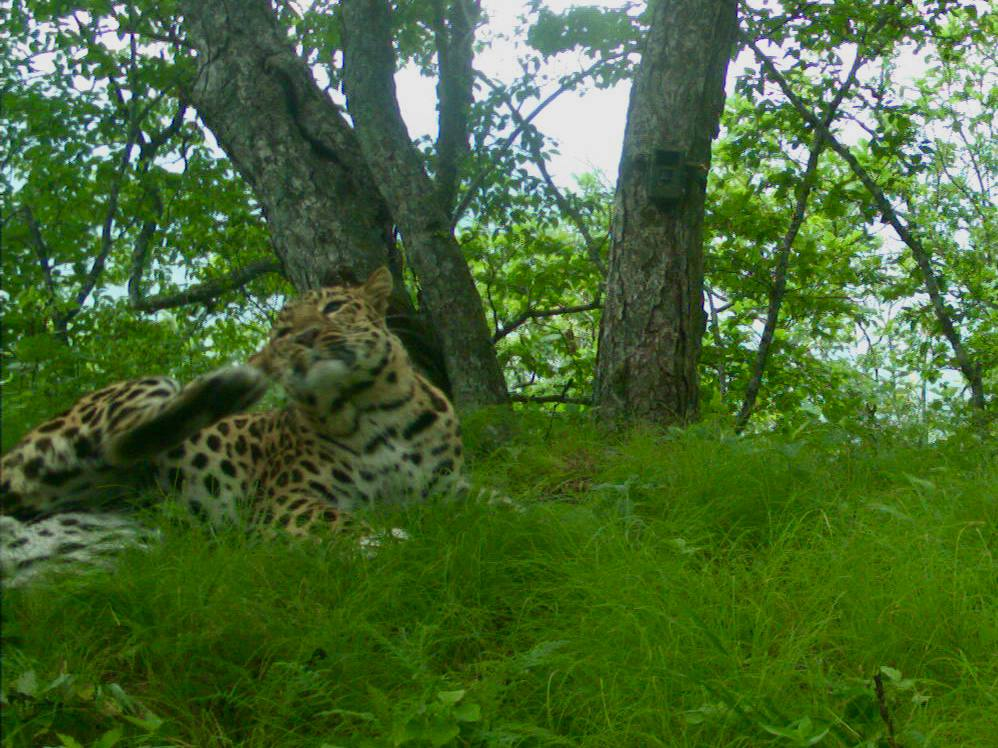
(361, 427)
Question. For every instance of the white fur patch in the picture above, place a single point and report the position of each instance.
(28, 549)
(327, 376)
(369, 544)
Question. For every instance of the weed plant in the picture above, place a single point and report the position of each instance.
(654, 589)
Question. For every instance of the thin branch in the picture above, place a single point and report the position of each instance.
(484, 174)
(140, 252)
(783, 255)
(541, 313)
(715, 331)
(970, 370)
(533, 144)
(150, 145)
(110, 214)
(42, 251)
(208, 291)
(562, 399)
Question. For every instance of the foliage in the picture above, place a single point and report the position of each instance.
(102, 147)
(660, 588)
(100, 152)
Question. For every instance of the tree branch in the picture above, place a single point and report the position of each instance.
(970, 370)
(42, 251)
(206, 292)
(111, 212)
(715, 331)
(783, 255)
(479, 179)
(541, 313)
(452, 300)
(533, 145)
(149, 147)
(454, 34)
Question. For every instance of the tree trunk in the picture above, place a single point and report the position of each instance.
(325, 211)
(447, 286)
(454, 36)
(653, 320)
(288, 140)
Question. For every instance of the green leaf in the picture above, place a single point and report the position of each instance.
(451, 697)
(893, 673)
(109, 739)
(467, 712)
(27, 683)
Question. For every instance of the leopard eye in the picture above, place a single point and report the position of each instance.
(331, 307)
(282, 332)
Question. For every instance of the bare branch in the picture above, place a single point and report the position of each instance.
(783, 255)
(111, 211)
(541, 313)
(42, 250)
(149, 146)
(715, 331)
(479, 179)
(140, 253)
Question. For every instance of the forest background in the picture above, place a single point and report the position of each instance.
(132, 244)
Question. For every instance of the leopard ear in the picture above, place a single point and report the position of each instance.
(377, 288)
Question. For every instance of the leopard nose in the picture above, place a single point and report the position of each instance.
(308, 337)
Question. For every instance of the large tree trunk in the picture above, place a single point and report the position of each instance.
(325, 211)
(288, 140)
(653, 319)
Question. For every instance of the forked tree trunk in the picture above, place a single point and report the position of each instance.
(653, 319)
(287, 140)
(324, 206)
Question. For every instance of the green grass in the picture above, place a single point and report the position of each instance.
(658, 589)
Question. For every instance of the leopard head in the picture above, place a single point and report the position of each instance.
(332, 343)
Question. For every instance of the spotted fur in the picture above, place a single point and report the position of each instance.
(362, 427)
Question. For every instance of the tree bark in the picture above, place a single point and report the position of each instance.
(653, 320)
(454, 36)
(288, 140)
(326, 213)
(455, 308)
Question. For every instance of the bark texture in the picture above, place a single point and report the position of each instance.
(447, 288)
(287, 139)
(653, 320)
(327, 206)
(454, 35)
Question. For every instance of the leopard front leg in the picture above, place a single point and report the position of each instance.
(86, 455)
